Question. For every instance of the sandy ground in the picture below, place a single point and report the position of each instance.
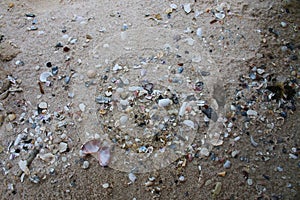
(83, 39)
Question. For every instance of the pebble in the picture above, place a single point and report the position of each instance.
(227, 164)
(43, 105)
(164, 102)
(62, 147)
(283, 24)
(23, 166)
(91, 73)
(251, 113)
(199, 32)
(105, 185)
(64, 159)
(85, 164)
(249, 181)
(82, 107)
(235, 153)
(181, 178)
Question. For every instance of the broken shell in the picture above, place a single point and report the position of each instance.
(44, 76)
(222, 174)
(62, 147)
(187, 8)
(104, 156)
(132, 177)
(23, 166)
(189, 123)
(91, 147)
(47, 157)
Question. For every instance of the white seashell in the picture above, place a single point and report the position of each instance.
(187, 8)
(164, 102)
(44, 76)
(82, 107)
(62, 147)
(47, 157)
(23, 166)
(189, 123)
(173, 6)
(104, 156)
(123, 119)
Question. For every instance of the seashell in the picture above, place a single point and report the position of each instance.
(44, 76)
(47, 157)
(182, 109)
(132, 177)
(187, 8)
(189, 123)
(164, 102)
(91, 147)
(62, 147)
(104, 156)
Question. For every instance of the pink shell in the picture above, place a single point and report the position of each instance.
(90, 147)
(104, 156)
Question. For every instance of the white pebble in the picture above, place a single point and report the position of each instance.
(227, 164)
(164, 102)
(251, 113)
(105, 185)
(85, 164)
(82, 107)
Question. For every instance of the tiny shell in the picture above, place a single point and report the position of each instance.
(62, 147)
(189, 123)
(23, 166)
(132, 177)
(91, 147)
(44, 76)
(104, 156)
(187, 8)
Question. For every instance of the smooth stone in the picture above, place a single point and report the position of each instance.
(43, 105)
(91, 73)
(62, 147)
(85, 165)
(227, 164)
(251, 113)
(164, 102)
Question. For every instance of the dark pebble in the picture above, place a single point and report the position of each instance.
(283, 114)
(58, 45)
(30, 15)
(294, 57)
(49, 64)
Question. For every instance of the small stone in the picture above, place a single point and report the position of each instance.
(164, 102)
(227, 164)
(82, 107)
(283, 24)
(91, 73)
(64, 159)
(62, 147)
(249, 181)
(105, 185)
(11, 117)
(43, 105)
(199, 32)
(235, 153)
(85, 165)
(222, 174)
(181, 178)
(251, 113)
